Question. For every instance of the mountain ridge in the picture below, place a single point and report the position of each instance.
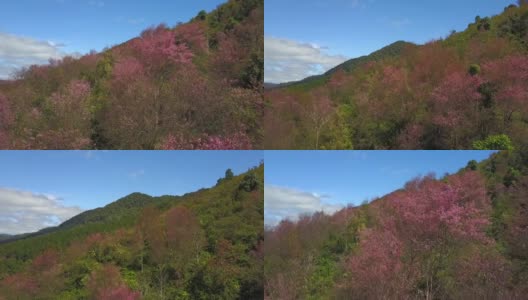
(350, 65)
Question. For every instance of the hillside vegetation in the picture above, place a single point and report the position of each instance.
(463, 236)
(467, 91)
(202, 245)
(195, 86)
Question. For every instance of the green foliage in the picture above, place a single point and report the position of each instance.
(472, 165)
(201, 15)
(494, 142)
(511, 176)
(474, 69)
(249, 183)
(229, 174)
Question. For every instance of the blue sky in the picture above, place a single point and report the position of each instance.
(308, 181)
(56, 27)
(38, 187)
(330, 31)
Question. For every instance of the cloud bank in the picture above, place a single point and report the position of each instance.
(287, 60)
(17, 52)
(22, 211)
(284, 203)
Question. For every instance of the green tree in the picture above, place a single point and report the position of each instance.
(250, 183)
(494, 142)
(474, 69)
(472, 165)
(229, 174)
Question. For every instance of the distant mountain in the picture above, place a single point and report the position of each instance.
(129, 205)
(392, 50)
(204, 244)
(270, 85)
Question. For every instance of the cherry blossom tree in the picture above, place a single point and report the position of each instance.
(158, 44)
(455, 105)
(107, 284)
(379, 261)
(509, 76)
(193, 35)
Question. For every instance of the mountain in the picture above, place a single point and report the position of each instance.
(466, 91)
(4, 237)
(461, 236)
(130, 205)
(394, 49)
(348, 66)
(201, 245)
(197, 85)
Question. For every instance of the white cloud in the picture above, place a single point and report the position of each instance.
(18, 51)
(22, 211)
(288, 60)
(285, 203)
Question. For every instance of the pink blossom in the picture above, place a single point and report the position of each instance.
(237, 141)
(128, 69)
(159, 44)
(509, 75)
(457, 94)
(121, 292)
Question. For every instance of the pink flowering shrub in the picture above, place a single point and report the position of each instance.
(379, 260)
(453, 97)
(416, 227)
(193, 35)
(107, 284)
(238, 141)
(158, 44)
(429, 208)
(509, 75)
(128, 69)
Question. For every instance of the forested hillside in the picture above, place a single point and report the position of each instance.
(195, 86)
(463, 236)
(202, 245)
(466, 91)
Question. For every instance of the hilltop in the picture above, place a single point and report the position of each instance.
(460, 236)
(200, 245)
(197, 85)
(348, 66)
(465, 91)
